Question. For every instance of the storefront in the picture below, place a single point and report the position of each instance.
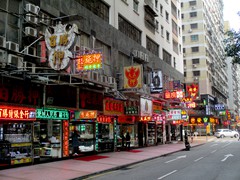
(146, 125)
(16, 124)
(84, 123)
(173, 125)
(50, 136)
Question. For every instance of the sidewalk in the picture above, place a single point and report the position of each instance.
(85, 166)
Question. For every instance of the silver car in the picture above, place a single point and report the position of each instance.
(221, 133)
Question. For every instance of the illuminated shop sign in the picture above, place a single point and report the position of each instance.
(58, 43)
(104, 119)
(192, 90)
(131, 110)
(157, 108)
(17, 113)
(52, 114)
(174, 94)
(86, 115)
(91, 61)
(145, 118)
(65, 138)
(113, 107)
(174, 114)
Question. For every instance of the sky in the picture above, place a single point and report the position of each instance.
(231, 8)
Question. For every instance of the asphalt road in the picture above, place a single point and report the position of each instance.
(217, 160)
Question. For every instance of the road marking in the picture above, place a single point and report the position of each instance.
(226, 156)
(179, 157)
(213, 145)
(214, 151)
(227, 144)
(167, 174)
(198, 159)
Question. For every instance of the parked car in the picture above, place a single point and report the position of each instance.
(221, 133)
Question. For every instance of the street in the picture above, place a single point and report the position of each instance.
(217, 160)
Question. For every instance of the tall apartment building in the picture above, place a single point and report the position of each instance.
(233, 81)
(203, 48)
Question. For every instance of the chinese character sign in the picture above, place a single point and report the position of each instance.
(17, 113)
(174, 114)
(58, 43)
(91, 61)
(52, 114)
(133, 77)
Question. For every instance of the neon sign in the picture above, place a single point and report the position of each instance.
(113, 107)
(65, 138)
(17, 113)
(86, 115)
(174, 94)
(52, 114)
(89, 62)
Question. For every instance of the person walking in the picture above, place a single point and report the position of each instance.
(128, 138)
(75, 142)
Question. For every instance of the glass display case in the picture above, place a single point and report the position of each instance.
(151, 133)
(17, 143)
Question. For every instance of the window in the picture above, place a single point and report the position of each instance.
(174, 62)
(185, 74)
(161, 9)
(157, 25)
(167, 57)
(183, 27)
(182, 16)
(195, 49)
(97, 7)
(184, 62)
(156, 4)
(174, 28)
(129, 30)
(167, 35)
(194, 26)
(174, 10)
(196, 73)
(135, 5)
(194, 37)
(195, 61)
(192, 3)
(181, 4)
(167, 16)
(152, 46)
(183, 38)
(175, 46)
(193, 14)
(184, 50)
(162, 30)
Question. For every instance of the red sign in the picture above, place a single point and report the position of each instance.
(17, 113)
(145, 118)
(174, 94)
(126, 119)
(65, 138)
(104, 119)
(113, 107)
(192, 90)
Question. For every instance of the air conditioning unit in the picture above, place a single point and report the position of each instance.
(95, 76)
(184, 55)
(12, 46)
(32, 8)
(146, 58)
(31, 19)
(190, 30)
(185, 67)
(193, 7)
(30, 51)
(44, 19)
(194, 65)
(111, 80)
(3, 58)
(29, 31)
(15, 61)
(2, 41)
(104, 79)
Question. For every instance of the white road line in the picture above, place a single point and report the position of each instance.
(214, 151)
(198, 159)
(227, 144)
(213, 145)
(167, 174)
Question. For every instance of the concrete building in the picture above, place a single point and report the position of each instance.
(203, 48)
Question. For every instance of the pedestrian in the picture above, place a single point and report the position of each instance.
(128, 138)
(75, 142)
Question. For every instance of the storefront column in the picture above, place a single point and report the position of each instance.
(164, 133)
(169, 132)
